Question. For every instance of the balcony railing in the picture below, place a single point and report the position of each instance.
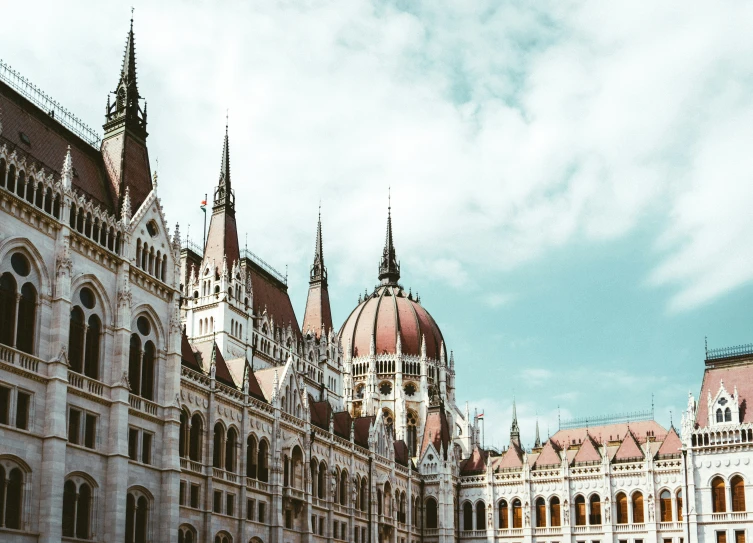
(293, 493)
(141, 404)
(190, 465)
(620, 528)
(548, 530)
(20, 359)
(83, 382)
(594, 528)
(473, 533)
(256, 484)
(670, 526)
(509, 532)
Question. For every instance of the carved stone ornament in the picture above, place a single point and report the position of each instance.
(125, 296)
(124, 381)
(63, 262)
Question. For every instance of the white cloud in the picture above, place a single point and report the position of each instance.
(535, 375)
(502, 135)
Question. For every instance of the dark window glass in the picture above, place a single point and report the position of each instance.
(143, 325)
(83, 512)
(182, 493)
(69, 508)
(7, 308)
(146, 448)
(262, 511)
(217, 506)
(14, 495)
(90, 431)
(195, 496)
(251, 509)
(133, 444)
(230, 504)
(23, 401)
(87, 298)
(20, 264)
(91, 362)
(27, 316)
(76, 340)
(4, 404)
(74, 426)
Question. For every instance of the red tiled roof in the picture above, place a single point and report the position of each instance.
(475, 463)
(671, 444)
(609, 432)
(187, 355)
(318, 311)
(513, 458)
(549, 454)
(739, 375)
(436, 431)
(402, 456)
(222, 373)
(383, 314)
(49, 143)
(320, 412)
(629, 448)
(342, 421)
(269, 294)
(222, 240)
(266, 378)
(588, 451)
(361, 431)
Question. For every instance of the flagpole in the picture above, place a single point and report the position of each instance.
(204, 241)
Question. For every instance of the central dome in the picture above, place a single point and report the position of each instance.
(385, 314)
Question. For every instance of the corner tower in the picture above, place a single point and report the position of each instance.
(124, 142)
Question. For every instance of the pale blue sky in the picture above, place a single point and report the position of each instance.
(571, 182)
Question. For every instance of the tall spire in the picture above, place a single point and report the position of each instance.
(389, 269)
(126, 110)
(317, 318)
(514, 428)
(537, 443)
(222, 238)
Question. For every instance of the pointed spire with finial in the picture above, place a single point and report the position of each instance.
(537, 443)
(66, 175)
(389, 269)
(125, 213)
(225, 166)
(318, 270)
(514, 428)
(318, 314)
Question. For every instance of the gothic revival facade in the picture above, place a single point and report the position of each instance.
(153, 391)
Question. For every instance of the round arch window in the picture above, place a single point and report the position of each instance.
(20, 264)
(87, 298)
(143, 325)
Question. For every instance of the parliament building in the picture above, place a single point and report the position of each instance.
(153, 390)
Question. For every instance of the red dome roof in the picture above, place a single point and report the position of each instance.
(387, 312)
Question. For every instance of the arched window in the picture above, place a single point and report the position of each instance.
(230, 450)
(11, 496)
(183, 436)
(3, 172)
(364, 503)
(219, 442)
(718, 492)
(679, 506)
(540, 513)
(727, 415)
(638, 508)
(504, 519)
(27, 314)
(665, 506)
(719, 416)
(263, 461)
(622, 508)
(580, 511)
(431, 513)
(251, 458)
(344, 487)
(517, 514)
(195, 436)
(7, 309)
(77, 507)
(412, 434)
(186, 534)
(12, 178)
(141, 364)
(137, 517)
(481, 516)
(554, 511)
(321, 486)
(91, 356)
(76, 340)
(223, 537)
(738, 493)
(467, 516)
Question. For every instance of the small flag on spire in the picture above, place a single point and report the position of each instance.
(480, 416)
(204, 205)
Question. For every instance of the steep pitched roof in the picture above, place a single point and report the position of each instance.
(272, 295)
(187, 355)
(361, 430)
(320, 412)
(549, 454)
(222, 373)
(265, 378)
(740, 376)
(609, 432)
(588, 452)
(318, 313)
(629, 449)
(402, 456)
(342, 421)
(513, 457)
(436, 431)
(475, 463)
(671, 445)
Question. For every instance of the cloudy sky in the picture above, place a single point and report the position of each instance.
(571, 180)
